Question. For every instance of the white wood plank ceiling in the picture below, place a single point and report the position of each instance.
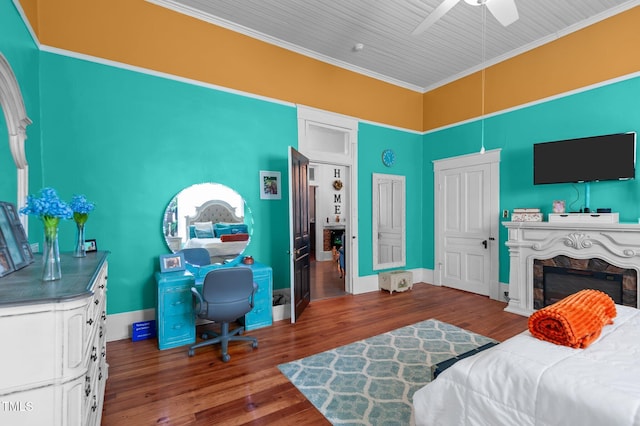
(329, 30)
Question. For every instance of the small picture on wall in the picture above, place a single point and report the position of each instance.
(558, 206)
(270, 187)
(171, 262)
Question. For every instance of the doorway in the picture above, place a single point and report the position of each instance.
(329, 141)
(328, 251)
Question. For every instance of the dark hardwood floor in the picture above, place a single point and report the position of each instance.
(147, 386)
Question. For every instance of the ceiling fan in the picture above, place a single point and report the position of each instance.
(505, 12)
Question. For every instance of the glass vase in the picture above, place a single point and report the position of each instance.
(80, 250)
(51, 256)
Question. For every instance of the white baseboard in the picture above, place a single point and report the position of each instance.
(370, 282)
(119, 325)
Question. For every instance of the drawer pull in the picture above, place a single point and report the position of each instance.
(100, 331)
(90, 321)
(97, 302)
(94, 407)
(94, 354)
(177, 326)
(104, 352)
(87, 385)
(100, 373)
(104, 315)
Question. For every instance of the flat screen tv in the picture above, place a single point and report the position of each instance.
(608, 157)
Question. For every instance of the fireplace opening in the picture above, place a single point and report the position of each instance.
(559, 283)
(561, 276)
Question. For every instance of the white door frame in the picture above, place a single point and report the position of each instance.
(492, 158)
(347, 158)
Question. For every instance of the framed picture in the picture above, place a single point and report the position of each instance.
(558, 206)
(6, 266)
(270, 187)
(90, 245)
(14, 240)
(172, 262)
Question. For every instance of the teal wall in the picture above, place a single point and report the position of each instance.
(130, 142)
(17, 46)
(612, 108)
(408, 147)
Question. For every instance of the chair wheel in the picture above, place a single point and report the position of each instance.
(191, 352)
(226, 358)
(254, 345)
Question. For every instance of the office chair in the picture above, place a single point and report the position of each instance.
(196, 256)
(227, 294)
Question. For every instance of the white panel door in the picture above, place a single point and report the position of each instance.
(388, 221)
(465, 196)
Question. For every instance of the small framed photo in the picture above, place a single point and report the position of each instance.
(172, 262)
(558, 206)
(90, 245)
(14, 239)
(6, 266)
(270, 185)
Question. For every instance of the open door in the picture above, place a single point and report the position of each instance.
(300, 245)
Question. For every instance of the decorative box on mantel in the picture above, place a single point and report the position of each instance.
(526, 215)
(395, 281)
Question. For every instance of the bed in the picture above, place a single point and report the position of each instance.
(528, 381)
(217, 228)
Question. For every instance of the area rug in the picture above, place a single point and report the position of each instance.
(372, 382)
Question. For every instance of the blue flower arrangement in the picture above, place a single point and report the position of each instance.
(50, 208)
(81, 208)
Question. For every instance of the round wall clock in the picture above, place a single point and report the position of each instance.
(388, 157)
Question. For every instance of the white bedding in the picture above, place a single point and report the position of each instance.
(527, 381)
(216, 247)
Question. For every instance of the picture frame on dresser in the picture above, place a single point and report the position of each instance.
(172, 262)
(90, 245)
(6, 266)
(13, 238)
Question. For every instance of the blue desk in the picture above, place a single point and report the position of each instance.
(175, 317)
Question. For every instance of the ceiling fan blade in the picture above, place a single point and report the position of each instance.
(437, 13)
(505, 11)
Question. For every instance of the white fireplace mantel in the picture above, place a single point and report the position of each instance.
(616, 243)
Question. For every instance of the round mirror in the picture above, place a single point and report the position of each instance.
(210, 216)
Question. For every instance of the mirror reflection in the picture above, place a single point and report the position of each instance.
(210, 216)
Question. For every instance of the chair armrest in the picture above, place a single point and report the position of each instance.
(199, 302)
(255, 290)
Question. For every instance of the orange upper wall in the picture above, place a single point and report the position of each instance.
(603, 51)
(139, 33)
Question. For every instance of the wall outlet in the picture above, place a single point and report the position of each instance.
(505, 214)
(35, 247)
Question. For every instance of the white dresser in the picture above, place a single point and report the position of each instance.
(53, 365)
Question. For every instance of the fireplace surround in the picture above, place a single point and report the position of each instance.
(612, 248)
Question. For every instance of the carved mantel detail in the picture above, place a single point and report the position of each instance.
(616, 243)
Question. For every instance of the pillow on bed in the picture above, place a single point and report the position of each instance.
(229, 228)
(203, 229)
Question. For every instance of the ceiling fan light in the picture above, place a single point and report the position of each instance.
(475, 2)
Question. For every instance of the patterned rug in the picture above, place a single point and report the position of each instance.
(372, 382)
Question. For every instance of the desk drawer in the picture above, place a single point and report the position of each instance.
(177, 301)
(176, 330)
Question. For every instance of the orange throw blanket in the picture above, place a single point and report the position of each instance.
(574, 321)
